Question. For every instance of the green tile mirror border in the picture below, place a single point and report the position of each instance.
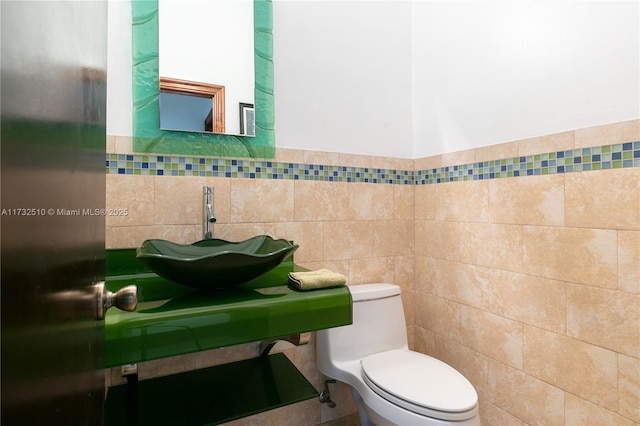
(149, 138)
(616, 156)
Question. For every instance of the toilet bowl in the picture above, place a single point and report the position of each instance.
(392, 385)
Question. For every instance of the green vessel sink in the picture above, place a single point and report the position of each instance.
(214, 263)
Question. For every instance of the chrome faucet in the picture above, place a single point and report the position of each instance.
(209, 217)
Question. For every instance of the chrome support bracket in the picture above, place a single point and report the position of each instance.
(129, 370)
(295, 339)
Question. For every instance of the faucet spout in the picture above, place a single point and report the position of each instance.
(209, 216)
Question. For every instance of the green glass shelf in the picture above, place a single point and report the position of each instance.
(172, 319)
(209, 396)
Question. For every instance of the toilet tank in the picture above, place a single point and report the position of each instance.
(378, 325)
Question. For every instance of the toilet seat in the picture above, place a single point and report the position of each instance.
(421, 384)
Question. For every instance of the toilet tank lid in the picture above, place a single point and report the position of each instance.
(362, 292)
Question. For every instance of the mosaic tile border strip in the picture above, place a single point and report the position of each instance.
(604, 157)
(617, 156)
(163, 165)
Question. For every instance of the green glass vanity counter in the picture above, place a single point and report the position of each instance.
(172, 319)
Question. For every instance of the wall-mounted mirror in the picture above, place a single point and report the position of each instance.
(147, 135)
(206, 66)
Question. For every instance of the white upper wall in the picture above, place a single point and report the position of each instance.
(413, 79)
(119, 70)
(343, 76)
(486, 72)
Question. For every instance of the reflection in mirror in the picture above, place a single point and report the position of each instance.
(185, 112)
(191, 106)
(205, 44)
(247, 120)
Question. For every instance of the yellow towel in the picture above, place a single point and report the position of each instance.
(312, 280)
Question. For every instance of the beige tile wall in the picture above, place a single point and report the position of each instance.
(531, 286)
(363, 231)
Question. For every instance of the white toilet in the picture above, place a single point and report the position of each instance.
(391, 384)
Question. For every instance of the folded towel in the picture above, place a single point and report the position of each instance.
(312, 280)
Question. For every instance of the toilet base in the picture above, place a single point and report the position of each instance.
(377, 411)
(365, 420)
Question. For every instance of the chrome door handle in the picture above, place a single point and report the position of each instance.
(126, 299)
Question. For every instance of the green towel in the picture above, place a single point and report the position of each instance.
(313, 280)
